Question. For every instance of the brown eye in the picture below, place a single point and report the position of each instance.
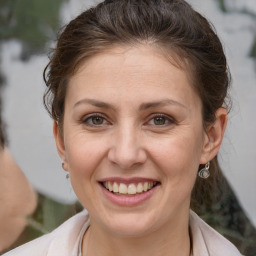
(159, 120)
(97, 120)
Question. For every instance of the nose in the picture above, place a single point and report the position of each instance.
(126, 149)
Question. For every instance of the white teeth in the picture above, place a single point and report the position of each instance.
(106, 185)
(110, 187)
(139, 188)
(145, 186)
(123, 188)
(130, 189)
(115, 187)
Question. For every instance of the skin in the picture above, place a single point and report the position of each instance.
(133, 85)
(17, 200)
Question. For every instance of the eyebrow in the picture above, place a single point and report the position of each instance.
(96, 103)
(143, 106)
(160, 103)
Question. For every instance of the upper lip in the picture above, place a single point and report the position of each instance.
(127, 180)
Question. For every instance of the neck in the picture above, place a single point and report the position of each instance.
(169, 240)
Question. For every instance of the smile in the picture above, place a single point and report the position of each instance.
(130, 189)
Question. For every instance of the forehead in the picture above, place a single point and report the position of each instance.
(141, 70)
(140, 55)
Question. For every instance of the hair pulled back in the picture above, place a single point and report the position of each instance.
(169, 24)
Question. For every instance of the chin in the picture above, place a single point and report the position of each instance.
(130, 224)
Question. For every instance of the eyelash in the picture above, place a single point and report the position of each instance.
(88, 120)
(166, 118)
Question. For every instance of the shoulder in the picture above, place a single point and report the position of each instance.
(60, 241)
(206, 241)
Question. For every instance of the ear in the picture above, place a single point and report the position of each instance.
(60, 145)
(214, 135)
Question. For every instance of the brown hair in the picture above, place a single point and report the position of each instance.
(169, 24)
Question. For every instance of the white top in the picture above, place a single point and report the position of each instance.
(66, 240)
(81, 240)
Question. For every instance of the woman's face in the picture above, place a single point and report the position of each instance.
(132, 124)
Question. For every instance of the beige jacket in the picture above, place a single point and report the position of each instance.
(65, 240)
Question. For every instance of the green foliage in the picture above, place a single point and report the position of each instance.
(224, 9)
(227, 217)
(32, 22)
(253, 50)
(222, 5)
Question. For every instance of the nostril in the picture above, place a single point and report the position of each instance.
(127, 158)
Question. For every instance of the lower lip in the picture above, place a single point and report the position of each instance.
(128, 200)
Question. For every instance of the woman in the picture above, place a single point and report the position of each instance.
(137, 92)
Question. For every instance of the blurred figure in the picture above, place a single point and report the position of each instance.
(17, 198)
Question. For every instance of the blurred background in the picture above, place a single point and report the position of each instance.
(28, 32)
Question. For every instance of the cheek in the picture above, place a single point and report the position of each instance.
(83, 155)
(177, 156)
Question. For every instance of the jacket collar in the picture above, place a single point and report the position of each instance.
(207, 242)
